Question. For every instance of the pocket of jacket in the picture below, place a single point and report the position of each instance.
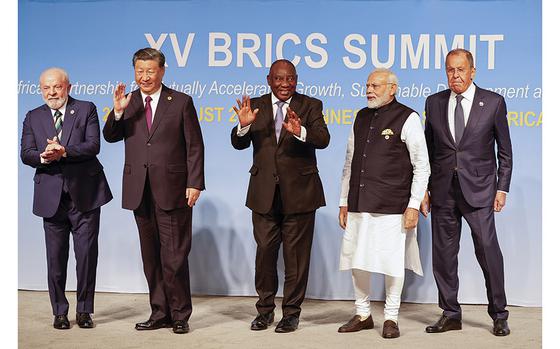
(485, 170)
(177, 168)
(308, 170)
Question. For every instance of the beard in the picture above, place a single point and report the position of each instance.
(379, 101)
(55, 103)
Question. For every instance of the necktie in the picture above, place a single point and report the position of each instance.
(148, 112)
(459, 119)
(278, 119)
(58, 124)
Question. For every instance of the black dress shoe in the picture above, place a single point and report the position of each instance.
(501, 327)
(287, 324)
(180, 326)
(444, 324)
(152, 325)
(262, 321)
(61, 322)
(84, 320)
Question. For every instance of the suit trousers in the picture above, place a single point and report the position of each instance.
(295, 233)
(446, 234)
(165, 243)
(84, 227)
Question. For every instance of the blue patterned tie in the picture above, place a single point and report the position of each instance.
(459, 120)
(58, 124)
(278, 119)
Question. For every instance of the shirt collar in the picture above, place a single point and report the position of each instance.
(275, 99)
(468, 94)
(155, 95)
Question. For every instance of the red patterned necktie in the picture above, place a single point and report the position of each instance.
(148, 112)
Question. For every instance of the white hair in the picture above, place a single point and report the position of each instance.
(55, 69)
(391, 77)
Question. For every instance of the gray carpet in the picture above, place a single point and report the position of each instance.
(223, 322)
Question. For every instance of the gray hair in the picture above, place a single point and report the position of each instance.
(63, 72)
(391, 77)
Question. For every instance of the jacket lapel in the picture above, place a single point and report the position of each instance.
(47, 121)
(165, 100)
(265, 113)
(474, 114)
(69, 118)
(444, 106)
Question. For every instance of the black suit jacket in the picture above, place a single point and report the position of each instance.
(80, 171)
(172, 152)
(474, 158)
(290, 163)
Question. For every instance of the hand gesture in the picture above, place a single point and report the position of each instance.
(293, 124)
(425, 206)
(410, 218)
(120, 101)
(343, 216)
(192, 194)
(53, 151)
(244, 113)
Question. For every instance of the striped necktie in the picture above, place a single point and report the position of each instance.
(58, 124)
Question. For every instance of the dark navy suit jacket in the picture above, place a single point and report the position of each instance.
(474, 158)
(80, 171)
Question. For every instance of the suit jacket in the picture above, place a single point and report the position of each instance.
(171, 153)
(474, 158)
(289, 162)
(80, 171)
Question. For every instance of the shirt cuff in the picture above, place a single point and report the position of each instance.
(118, 116)
(413, 203)
(242, 131)
(303, 134)
(43, 161)
(501, 191)
(343, 202)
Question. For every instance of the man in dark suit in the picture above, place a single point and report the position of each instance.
(285, 128)
(60, 139)
(463, 125)
(162, 179)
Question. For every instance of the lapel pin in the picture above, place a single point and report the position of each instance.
(481, 104)
(72, 111)
(169, 98)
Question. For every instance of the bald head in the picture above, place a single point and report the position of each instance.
(55, 87)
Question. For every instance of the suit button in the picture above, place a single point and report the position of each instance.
(362, 185)
(371, 127)
(362, 171)
(367, 141)
(149, 144)
(364, 155)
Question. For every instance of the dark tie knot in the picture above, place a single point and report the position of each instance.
(459, 98)
(148, 99)
(57, 114)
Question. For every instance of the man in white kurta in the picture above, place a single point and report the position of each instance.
(384, 243)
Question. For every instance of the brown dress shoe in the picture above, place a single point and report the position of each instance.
(391, 329)
(355, 324)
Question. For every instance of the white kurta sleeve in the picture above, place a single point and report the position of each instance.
(345, 187)
(413, 136)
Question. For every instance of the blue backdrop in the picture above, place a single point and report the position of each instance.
(216, 51)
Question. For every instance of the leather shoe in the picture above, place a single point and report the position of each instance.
(501, 327)
(287, 324)
(61, 322)
(180, 326)
(444, 324)
(84, 320)
(355, 324)
(391, 329)
(151, 325)
(262, 321)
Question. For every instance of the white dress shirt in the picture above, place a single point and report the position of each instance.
(242, 131)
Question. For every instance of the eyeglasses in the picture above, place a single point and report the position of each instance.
(378, 86)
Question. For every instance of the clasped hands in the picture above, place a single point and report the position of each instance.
(53, 151)
(247, 116)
